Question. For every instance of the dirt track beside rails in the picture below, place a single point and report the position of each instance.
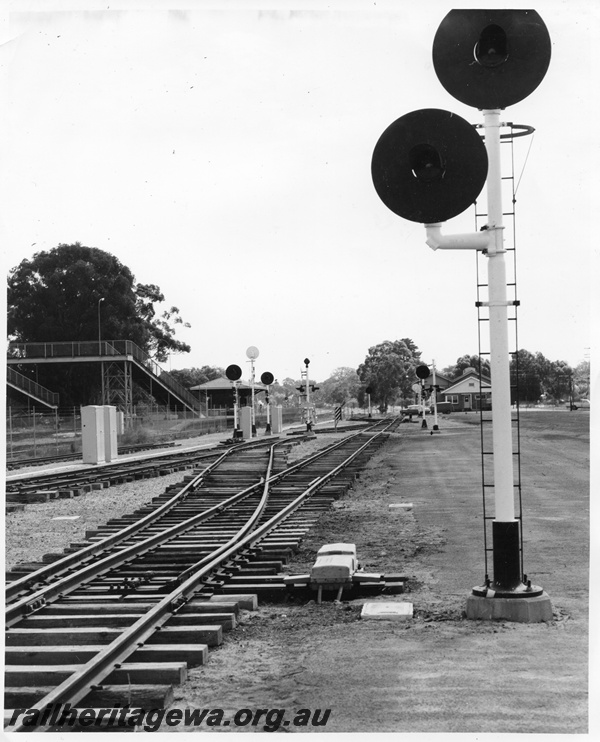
(438, 672)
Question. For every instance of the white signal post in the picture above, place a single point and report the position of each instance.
(235, 404)
(268, 428)
(504, 499)
(427, 167)
(252, 353)
(491, 241)
(506, 548)
(435, 412)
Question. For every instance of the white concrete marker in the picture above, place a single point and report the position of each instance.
(401, 506)
(66, 517)
(387, 611)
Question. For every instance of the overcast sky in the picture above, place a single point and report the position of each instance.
(223, 152)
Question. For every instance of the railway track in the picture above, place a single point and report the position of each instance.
(25, 489)
(117, 622)
(21, 463)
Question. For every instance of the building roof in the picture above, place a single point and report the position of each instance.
(438, 377)
(222, 384)
(463, 384)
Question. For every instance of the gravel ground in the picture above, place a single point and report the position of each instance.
(49, 527)
(438, 672)
(44, 528)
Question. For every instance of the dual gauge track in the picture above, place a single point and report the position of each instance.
(117, 622)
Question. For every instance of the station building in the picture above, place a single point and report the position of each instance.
(467, 393)
(218, 393)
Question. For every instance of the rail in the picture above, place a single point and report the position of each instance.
(89, 553)
(93, 672)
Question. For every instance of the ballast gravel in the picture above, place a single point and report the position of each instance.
(49, 527)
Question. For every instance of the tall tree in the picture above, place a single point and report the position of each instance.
(526, 378)
(467, 361)
(55, 297)
(342, 386)
(581, 380)
(189, 377)
(389, 369)
(558, 380)
(73, 293)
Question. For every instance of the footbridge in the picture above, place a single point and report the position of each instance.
(31, 389)
(122, 364)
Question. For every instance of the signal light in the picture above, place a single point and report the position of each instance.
(491, 58)
(491, 50)
(300, 388)
(426, 163)
(267, 378)
(429, 166)
(233, 372)
(422, 372)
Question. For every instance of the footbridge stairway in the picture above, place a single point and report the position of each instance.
(122, 364)
(31, 389)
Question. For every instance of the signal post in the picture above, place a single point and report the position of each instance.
(429, 166)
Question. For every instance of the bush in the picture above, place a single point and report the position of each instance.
(133, 436)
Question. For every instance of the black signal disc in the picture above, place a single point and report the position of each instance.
(233, 372)
(429, 166)
(267, 378)
(491, 58)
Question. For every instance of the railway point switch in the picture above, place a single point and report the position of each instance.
(335, 568)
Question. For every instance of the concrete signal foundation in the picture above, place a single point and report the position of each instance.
(519, 610)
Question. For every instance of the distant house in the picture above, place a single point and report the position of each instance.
(466, 393)
(219, 392)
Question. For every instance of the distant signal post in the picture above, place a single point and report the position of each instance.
(234, 373)
(422, 373)
(252, 353)
(267, 379)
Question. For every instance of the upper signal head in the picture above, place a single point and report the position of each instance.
(491, 58)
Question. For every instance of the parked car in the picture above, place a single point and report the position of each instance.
(444, 408)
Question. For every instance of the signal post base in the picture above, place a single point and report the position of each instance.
(520, 610)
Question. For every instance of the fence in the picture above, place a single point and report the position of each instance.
(35, 433)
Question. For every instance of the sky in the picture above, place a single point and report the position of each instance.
(223, 151)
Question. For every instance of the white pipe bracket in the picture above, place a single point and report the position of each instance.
(470, 241)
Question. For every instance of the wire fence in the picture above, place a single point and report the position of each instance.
(39, 433)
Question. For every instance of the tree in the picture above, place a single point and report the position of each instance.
(581, 380)
(189, 377)
(464, 362)
(558, 380)
(73, 292)
(389, 369)
(54, 297)
(342, 386)
(528, 381)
